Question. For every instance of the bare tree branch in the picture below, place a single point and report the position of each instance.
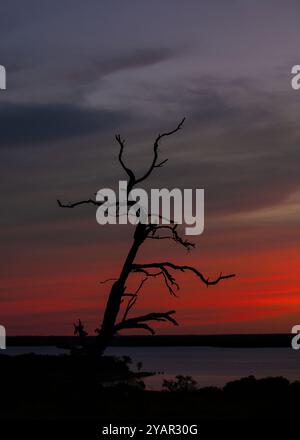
(129, 306)
(175, 236)
(167, 277)
(94, 202)
(155, 151)
(162, 266)
(107, 280)
(82, 202)
(141, 285)
(132, 179)
(170, 281)
(133, 298)
(161, 164)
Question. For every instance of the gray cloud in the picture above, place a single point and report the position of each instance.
(97, 67)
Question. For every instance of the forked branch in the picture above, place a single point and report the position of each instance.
(132, 181)
(154, 163)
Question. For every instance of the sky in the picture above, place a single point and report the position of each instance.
(80, 72)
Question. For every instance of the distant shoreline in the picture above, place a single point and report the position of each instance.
(222, 341)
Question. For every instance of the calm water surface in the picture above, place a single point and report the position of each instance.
(208, 366)
(213, 366)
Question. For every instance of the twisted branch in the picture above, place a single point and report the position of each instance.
(165, 265)
(82, 202)
(174, 236)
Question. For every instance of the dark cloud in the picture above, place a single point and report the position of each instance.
(29, 124)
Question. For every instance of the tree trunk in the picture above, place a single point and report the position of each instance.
(107, 330)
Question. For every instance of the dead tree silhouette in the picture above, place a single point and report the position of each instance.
(110, 324)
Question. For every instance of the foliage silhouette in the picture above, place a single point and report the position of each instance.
(180, 384)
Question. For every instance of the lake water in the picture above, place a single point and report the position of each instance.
(207, 365)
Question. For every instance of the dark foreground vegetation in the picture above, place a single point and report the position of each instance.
(35, 387)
